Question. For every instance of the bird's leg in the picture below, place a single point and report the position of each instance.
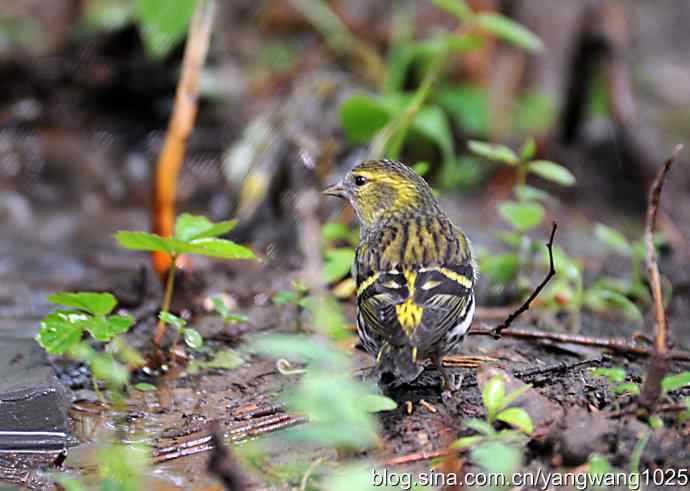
(449, 383)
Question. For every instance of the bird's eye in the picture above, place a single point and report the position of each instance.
(360, 180)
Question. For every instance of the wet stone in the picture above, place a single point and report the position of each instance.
(33, 403)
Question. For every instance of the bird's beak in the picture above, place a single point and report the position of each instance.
(335, 190)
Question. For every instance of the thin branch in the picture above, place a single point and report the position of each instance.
(180, 128)
(617, 345)
(496, 332)
(652, 263)
(421, 456)
(651, 390)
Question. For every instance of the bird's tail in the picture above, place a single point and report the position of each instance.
(396, 365)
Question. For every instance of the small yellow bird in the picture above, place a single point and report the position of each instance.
(414, 271)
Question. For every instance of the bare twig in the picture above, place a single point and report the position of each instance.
(496, 332)
(179, 128)
(618, 345)
(658, 365)
(652, 263)
(420, 456)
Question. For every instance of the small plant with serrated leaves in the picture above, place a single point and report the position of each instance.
(498, 451)
(61, 333)
(669, 384)
(525, 213)
(194, 234)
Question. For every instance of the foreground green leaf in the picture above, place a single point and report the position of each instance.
(524, 215)
(518, 418)
(95, 303)
(504, 28)
(61, 330)
(190, 227)
(552, 171)
(491, 151)
(374, 403)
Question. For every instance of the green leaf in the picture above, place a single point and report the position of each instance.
(613, 374)
(163, 24)
(480, 426)
(190, 227)
(629, 387)
(285, 297)
(422, 168)
(105, 367)
(95, 303)
(552, 171)
(622, 303)
(518, 418)
(613, 239)
(338, 231)
(500, 268)
(61, 330)
(222, 248)
(374, 403)
(98, 328)
(338, 263)
(527, 150)
(467, 441)
(192, 338)
(172, 319)
(675, 382)
(493, 393)
(432, 123)
(219, 305)
(106, 328)
(467, 105)
(509, 398)
(69, 483)
(491, 151)
(523, 215)
(530, 193)
(504, 28)
(535, 113)
(362, 117)
(655, 422)
(463, 43)
(145, 387)
(458, 8)
(497, 457)
(144, 241)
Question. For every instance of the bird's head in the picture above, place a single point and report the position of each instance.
(381, 189)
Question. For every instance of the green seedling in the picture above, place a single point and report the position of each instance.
(191, 337)
(498, 451)
(669, 384)
(634, 286)
(61, 333)
(194, 234)
(525, 213)
(229, 317)
(298, 297)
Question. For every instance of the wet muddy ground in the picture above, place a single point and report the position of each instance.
(178, 418)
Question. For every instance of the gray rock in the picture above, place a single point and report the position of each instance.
(33, 403)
